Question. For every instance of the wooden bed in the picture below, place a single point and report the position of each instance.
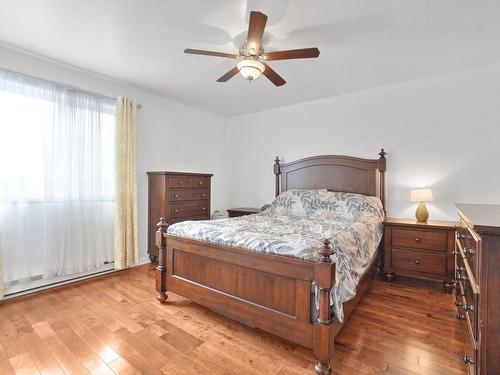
(273, 292)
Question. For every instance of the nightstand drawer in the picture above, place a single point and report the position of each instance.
(414, 260)
(420, 239)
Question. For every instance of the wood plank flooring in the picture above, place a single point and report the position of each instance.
(113, 325)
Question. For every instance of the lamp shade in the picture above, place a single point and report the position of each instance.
(420, 195)
(250, 69)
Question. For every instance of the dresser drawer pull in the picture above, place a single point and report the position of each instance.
(200, 182)
(176, 195)
(203, 209)
(203, 195)
(467, 359)
(468, 251)
(180, 182)
(417, 261)
(469, 308)
(176, 210)
(417, 239)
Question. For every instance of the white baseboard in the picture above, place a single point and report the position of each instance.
(68, 280)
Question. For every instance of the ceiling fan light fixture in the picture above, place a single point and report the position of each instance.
(250, 69)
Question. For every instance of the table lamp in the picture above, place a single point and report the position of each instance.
(420, 196)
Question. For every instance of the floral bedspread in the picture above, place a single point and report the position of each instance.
(295, 225)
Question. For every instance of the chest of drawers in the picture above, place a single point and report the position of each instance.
(177, 197)
(422, 250)
(242, 211)
(477, 286)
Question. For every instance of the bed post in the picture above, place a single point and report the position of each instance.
(161, 270)
(381, 169)
(324, 274)
(277, 173)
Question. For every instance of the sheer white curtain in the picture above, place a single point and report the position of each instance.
(57, 180)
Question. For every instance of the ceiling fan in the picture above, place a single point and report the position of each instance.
(252, 56)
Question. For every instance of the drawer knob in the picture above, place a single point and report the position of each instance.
(176, 195)
(203, 209)
(468, 251)
(467, 359)
(180, 182)
(469, 308)
(176, 210)
(200, 182)
(417, 261)
(203, 195)
(417, 239)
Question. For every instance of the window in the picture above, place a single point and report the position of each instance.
(57, 178)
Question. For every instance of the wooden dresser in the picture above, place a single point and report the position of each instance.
(242, 211)
(422, 250)
(477, 277)
(177, 197)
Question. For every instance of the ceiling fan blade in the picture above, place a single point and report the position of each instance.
(226, 77)
(211, 53)
(273, 76)
(303, 53)
(256, 27)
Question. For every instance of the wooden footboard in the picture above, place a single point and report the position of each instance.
(269, 292)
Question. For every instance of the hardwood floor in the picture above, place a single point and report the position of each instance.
(113, 324)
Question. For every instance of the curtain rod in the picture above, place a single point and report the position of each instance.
(70, 87)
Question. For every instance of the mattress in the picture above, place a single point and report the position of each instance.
(296, 224)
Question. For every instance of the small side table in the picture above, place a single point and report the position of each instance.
(422, 250)
(242, 211)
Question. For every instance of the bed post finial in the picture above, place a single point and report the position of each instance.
(381, 169)
(277, 173)
(161, 270)
(381, 160)
(324, 277)
(325, 251)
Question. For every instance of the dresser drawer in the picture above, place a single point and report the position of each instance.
(467, 301)
(414, 260)
(201, 182)
(470, 354)
(420, 239)
(185, 209)
(180, 181)
(469, 245)
(187, 195)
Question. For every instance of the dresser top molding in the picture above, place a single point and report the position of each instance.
(414, 224)
(180, 173)
(483, 218)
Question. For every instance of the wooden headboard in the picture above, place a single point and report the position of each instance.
(334, 172)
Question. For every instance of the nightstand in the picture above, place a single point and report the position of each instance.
(242, 211)
(422, 250)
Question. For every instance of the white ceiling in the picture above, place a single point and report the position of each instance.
(363, 44)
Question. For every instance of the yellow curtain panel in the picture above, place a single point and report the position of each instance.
(125, 244)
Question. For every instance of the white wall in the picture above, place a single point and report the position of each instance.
(441, 132)
(170, 136)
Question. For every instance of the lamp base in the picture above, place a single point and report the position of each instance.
(422, 214)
